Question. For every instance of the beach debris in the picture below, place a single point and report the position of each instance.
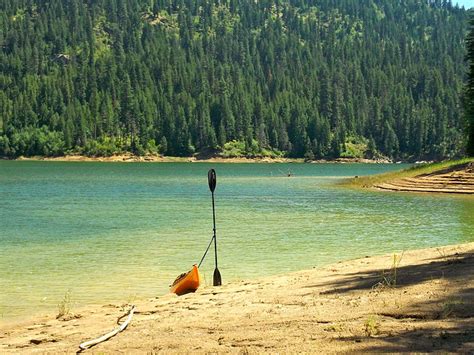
(38, 341)
(86, 345)
(69, 316)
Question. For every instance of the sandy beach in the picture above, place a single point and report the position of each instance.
(410, 301)
(129, 158)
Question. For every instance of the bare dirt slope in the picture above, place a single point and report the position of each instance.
(457, 179)
(425, 303)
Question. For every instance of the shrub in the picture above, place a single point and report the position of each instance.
(36, 141)
(238, 149)
(104, 147)
(151, 147)
(4, 146)
(355, 147)
(234, 149)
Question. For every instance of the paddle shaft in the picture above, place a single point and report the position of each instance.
(212, 180)
(214, 229)
(217, 275)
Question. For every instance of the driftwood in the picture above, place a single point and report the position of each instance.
(90, 343)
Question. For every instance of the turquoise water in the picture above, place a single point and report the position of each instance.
(117, 231)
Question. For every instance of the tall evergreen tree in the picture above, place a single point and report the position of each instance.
(469, 91)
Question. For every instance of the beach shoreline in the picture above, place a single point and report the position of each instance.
(129, 158)
(420, 300)
(449, 177)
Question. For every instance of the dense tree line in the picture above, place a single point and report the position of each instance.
(305, 78)
(469, 92)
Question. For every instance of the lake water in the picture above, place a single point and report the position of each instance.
(117, 231)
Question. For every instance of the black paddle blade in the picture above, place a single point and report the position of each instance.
(211, 178)
(217, 278)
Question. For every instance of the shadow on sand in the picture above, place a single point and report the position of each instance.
(443, 321)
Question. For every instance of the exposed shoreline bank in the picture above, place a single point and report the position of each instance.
(420, 300)
(129, 158)
(450, 177)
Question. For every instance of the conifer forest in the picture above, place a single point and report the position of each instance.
(297, 78)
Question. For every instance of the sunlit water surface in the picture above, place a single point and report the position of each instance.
(115, 232)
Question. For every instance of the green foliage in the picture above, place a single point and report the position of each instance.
(271, 153)
(372, 326)
(163, 147)
(104, 147)
(234, 149)
(151, 147)
(5, 146)
(239, 149)
(175, 77)
(356, 147)
(469, 89)
(33, 141)
(65, 306)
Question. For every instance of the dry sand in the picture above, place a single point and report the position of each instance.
(129, 158)
(357, 305)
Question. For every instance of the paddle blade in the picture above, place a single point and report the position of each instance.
(211, 177)
(217, 278)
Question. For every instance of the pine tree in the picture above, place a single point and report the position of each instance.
(469, 91)
(297, 76)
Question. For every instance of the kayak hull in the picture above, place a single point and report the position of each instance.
(186, 283)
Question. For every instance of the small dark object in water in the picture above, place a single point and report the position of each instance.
(356, 177)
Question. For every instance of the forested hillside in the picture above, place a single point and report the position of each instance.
(305, 78)
(469, 89)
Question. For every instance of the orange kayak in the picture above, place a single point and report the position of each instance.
(186, 283)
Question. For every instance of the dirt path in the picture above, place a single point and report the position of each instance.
(458, 179)
(425, 303)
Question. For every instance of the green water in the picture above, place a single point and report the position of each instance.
(113, 232)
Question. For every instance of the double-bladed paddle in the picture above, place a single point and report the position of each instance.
(211, 177)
